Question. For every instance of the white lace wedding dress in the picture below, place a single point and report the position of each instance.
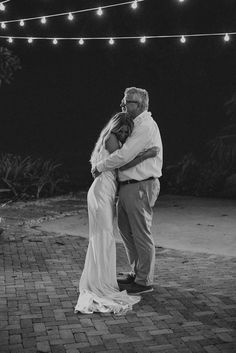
(99, 291)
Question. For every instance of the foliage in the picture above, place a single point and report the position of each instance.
(9, 63)
(222, 149)
(210, 180)
(29, 177)
(181, 177)
(230, 106)
(206, 176)
(194, 177)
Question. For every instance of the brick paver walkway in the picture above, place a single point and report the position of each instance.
(193, 307)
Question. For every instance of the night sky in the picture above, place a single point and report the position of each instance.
(64, 94)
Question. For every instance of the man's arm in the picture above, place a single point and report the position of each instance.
(149, 153)
(135, 144)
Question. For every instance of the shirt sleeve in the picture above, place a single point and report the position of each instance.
(135, 144)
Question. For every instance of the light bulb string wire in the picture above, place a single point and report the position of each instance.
(124, 37)
(71, 12)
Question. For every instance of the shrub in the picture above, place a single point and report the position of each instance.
(181, 177)
(29, 177)
(194, 177)
(9, 63)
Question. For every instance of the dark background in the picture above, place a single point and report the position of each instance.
(64, 94)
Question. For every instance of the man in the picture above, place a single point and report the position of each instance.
(139, 189)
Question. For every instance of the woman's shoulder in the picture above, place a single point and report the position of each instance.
(111, 138)
(112, 143)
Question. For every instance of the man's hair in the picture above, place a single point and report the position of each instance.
(142, 95)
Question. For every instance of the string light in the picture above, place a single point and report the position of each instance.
(43, 20)
(134, 4)
(226, 37)
(99, 11)
(2, 6)
(182, 38)
(70, 16)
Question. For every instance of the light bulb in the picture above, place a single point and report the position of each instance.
(226, 37)
(70, 16)
(43, 20)
(10, 40)
(143, 39)
(2, 7)
(30, 40)
(134, 5)
(111, 41)
(22, 23)
(55, 41)
(183, 39)
(3, 25)
(81, 41)
(99, 11)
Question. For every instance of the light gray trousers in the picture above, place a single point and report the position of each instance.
(134, 221)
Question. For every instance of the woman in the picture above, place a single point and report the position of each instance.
(99, 291)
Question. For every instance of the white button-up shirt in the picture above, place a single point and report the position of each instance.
(145, 134)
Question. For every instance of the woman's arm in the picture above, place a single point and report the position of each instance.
(150, 153)
(112, 143)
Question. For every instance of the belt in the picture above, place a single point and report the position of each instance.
(133, 181)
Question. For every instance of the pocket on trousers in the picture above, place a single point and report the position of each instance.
(149, 191)
(154, 192)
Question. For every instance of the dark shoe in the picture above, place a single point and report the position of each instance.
(135, 288)
(127, 279)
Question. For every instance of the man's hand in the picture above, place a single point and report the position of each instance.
(95, 172)
(153, 151)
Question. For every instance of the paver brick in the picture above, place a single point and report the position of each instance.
(43, 347)
(193, 338)
(161, 332)
(58, 349)
(211, 349)
(15, 339)
(225, 337)
(29, 342)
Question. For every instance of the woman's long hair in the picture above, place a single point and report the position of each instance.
(113, 125)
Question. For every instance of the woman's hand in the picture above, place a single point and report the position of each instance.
(95, 172)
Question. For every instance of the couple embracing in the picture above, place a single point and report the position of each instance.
(127, 157)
